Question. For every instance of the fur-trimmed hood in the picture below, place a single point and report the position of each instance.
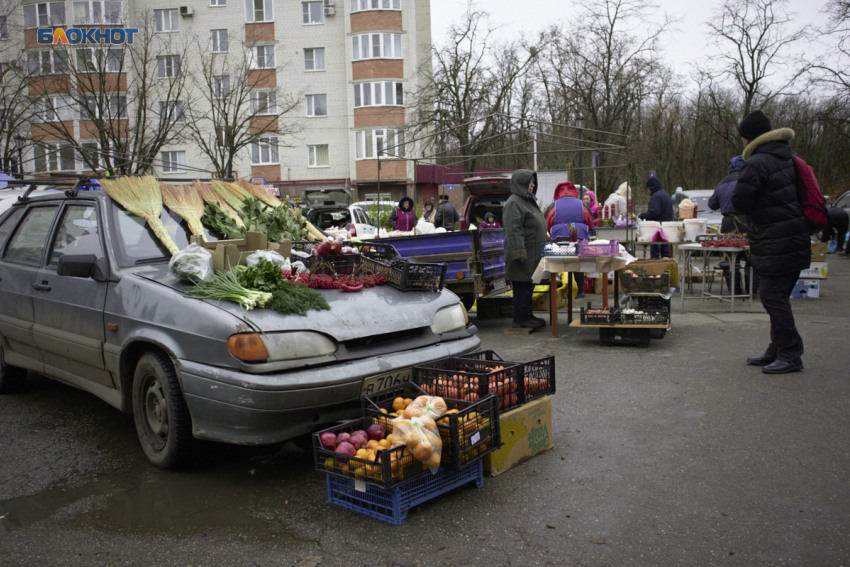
(780, 135)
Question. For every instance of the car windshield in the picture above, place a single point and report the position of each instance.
(843, 201)
(701, 203)
(319, 197)
(137, 244)
(327, 218)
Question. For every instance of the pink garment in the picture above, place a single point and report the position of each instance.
(594, 208)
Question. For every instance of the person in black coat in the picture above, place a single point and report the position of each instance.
(661, 210)
(446, 215)
(836, 222)
(780, 242)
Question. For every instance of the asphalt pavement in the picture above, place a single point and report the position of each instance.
(679, 454)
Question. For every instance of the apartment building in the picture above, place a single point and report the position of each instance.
(351, 64)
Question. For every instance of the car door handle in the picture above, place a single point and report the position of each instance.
(41, 287)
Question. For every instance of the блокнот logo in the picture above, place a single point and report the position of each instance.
(75, 36)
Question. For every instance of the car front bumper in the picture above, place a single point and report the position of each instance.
(258, 409)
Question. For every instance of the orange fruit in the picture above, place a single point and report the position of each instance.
(398, 404)
(407, 402)
(372, 444)
(383, 410)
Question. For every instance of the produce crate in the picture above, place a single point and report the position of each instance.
(498, 307)
(492, 239)
(598, 316)
(470, 433)
(393, 505)
(538, 376)
(406, 275)
(625, 336)
(645, 284)
(648, 317)
(586, 248)
(342, 265)
(390, 468)
(559, 249)
(471, 379)
(376, 250)
(645, 302)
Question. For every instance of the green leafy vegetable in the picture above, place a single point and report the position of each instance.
(297, 299)
(225, 286)
(218, 220)
(281, 223)
(263, 276)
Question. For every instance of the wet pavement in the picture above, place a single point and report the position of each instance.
(674, 455)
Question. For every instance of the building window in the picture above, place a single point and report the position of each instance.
(96, 12)
(44, 15)
(4, 32)
(47, 62)
(258, 11)
(314, 59)
(262, 102)
(221, 86)
(95, 59)
(317, 105)
(376, 46)
(55, 156)
(104, 106)
(173, 162)
(363, 5)
(54, 108)
(261, 57)
(264, 151)
(386, 143)
(382, 93)
(168, 66)
(91, 156)
(171, 112)
(217, 3)
(317, 156)
(219, 41)
(313, 13)
(167, 20)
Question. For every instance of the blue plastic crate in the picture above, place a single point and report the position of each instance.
(392, 505)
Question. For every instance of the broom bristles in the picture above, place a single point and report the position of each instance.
(142, 197)
(232, 195)
(185, 201)
(210, 195)
(260, 193)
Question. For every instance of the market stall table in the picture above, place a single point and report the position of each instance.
(729, 252)
(552, 265)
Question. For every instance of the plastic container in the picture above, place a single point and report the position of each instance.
(648, 228)
(492, 239)
(673, 230)
(694, 228)
(472, 379)
(393, 505)
(597, 248)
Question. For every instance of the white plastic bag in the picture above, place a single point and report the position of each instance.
(269, 255)
(420, 436)
(192, 264)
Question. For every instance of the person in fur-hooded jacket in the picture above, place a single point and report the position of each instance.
(780, 242)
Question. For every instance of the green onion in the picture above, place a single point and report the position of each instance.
(225, 286)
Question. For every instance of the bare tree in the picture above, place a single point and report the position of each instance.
(239, 104)
(15, 108)
(754, 43)
(130, 100)
(836, 73)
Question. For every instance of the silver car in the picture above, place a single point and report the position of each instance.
(86, 298)
(700, 197)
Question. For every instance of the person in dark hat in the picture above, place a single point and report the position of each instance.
(490, 221)
(446, 215)
(428, 212)
(660, 209)
(780, 242)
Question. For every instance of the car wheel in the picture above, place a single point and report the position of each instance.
(12, 378)
(468, 299)
(163, 423)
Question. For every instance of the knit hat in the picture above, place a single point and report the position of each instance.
(754, 125)
(624, 190)
(653, 183)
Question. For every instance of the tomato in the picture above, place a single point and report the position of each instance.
(351, 288)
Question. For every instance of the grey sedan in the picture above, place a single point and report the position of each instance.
(86, 298)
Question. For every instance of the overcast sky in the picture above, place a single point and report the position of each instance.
(529, 16)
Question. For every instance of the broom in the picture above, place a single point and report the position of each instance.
(185, 201)
(233, 194)
(260, 193)
(209, 195)
(141, 196)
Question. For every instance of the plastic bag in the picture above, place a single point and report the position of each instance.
(419, 435)
(659, 236)
(270, 255)
(192, 264)
(299, 268)
(432, 407)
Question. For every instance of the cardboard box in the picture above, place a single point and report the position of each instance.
(540, 301)
(657, 267)
(526, 432)
(817, 271)
(819, 251)
(228, 253)
(806, 289)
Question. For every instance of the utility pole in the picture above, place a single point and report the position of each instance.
(580, 126)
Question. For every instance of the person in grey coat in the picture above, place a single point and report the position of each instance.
(525, 234)
(446, 215)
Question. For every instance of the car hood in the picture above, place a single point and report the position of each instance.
(376, 311)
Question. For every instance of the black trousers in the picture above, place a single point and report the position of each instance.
(659, 251)
(786, 344)
(522, 301)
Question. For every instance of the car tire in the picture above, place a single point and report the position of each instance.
(162, 418)
(468, 300)
(12, 378)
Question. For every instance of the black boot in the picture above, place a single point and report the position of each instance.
(762, 360)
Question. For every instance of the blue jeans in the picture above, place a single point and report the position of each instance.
(659, 251)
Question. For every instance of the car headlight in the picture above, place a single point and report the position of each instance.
(301, 344)
(450, 319)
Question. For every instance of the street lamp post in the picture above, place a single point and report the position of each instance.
(580, 126)
(19, 142)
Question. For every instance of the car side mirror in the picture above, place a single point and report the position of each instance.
(83, 266)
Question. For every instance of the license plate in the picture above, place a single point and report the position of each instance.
(383, 381)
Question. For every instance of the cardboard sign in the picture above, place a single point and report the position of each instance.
(806, 289)
(817, 271)
(526, 432)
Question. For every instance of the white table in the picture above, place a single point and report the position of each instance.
(727, 252)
